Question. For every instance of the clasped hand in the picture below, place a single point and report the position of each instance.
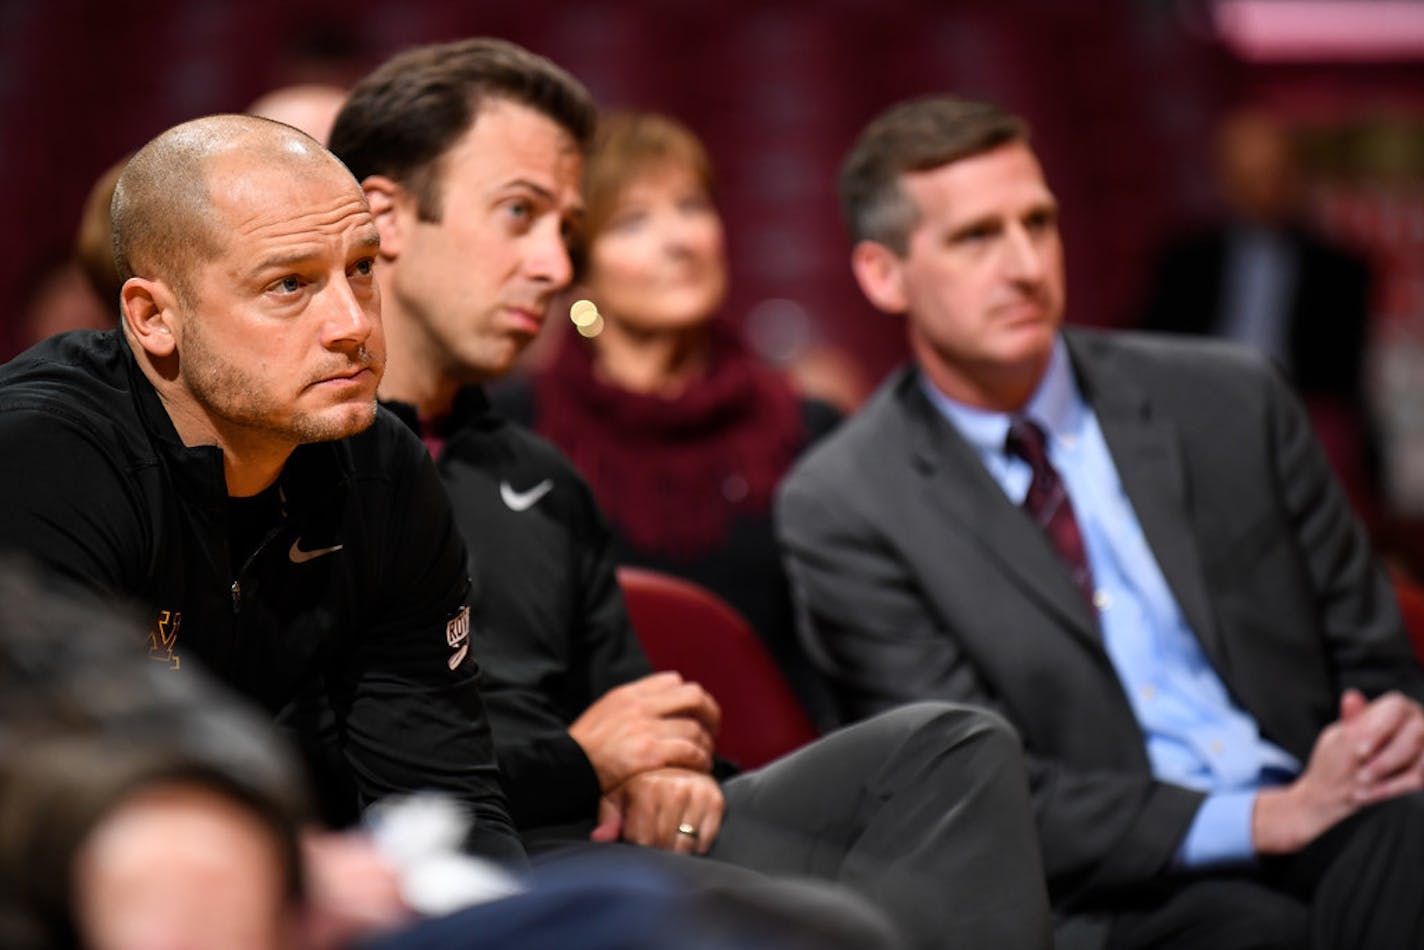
(1373, 752)
(651, 723)
(655, 808)
(650, 743)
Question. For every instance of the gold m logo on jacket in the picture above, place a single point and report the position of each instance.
(164, 637)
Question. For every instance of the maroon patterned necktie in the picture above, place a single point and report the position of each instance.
(1048, 502)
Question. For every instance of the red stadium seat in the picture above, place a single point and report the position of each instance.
(687, 628)
(1411, 604)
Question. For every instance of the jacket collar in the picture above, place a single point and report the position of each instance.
(470, 407)
(1146, 451)
(1005, 534)
(197, 470)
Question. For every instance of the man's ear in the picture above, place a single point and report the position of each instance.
(880, 273)
(393, 208)
(150, 312)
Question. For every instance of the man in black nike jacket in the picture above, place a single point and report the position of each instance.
(471, 154)
(220, 463)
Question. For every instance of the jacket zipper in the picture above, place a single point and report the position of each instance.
(237, 581)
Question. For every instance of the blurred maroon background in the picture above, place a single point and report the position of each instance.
(1121, 94)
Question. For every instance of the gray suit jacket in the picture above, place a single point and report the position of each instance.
(916, 578)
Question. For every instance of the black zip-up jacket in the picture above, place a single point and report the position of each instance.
(549, 623)
(354, 595)
(548, 619)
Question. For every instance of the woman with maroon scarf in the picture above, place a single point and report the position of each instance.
(682, 433)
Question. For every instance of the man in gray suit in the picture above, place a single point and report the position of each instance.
(1130, 547)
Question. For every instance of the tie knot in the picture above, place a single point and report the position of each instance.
(1026, 440)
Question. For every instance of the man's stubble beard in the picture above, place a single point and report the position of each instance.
(228, 393)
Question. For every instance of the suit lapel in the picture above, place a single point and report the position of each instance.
(1147, 453)
(958, 487)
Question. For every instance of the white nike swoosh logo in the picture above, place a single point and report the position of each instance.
(522, 500)
(299, 556)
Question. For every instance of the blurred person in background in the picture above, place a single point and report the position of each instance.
(311, 107)
(144, 811)
(137, 809)
(680, 430)
(94, 242)
(1263, 277)
(59, 298)
(81, 291)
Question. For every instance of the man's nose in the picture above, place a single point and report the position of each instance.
(548, 257)
(1023, 254)
(349, 316)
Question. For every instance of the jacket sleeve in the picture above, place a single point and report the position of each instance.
(870, 630)
(1360, 622)
(549, 778)
(68, 504)
(609, 653)
(407, 694)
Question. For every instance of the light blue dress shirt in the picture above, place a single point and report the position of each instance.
(1196, 735)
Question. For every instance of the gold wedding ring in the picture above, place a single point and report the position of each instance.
(687, 829)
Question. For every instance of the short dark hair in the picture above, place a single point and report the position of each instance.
(402, 118)
(914, 136)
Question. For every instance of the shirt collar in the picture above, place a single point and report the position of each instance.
(1056, 405)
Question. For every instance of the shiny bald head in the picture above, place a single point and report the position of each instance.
(163, 220)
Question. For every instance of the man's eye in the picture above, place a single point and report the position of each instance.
(364, 267)
(288, 285)
(1040, 221)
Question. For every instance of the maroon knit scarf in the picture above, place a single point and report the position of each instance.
(672, 473)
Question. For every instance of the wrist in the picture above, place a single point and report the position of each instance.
(1285, 820)
(1274, 822)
